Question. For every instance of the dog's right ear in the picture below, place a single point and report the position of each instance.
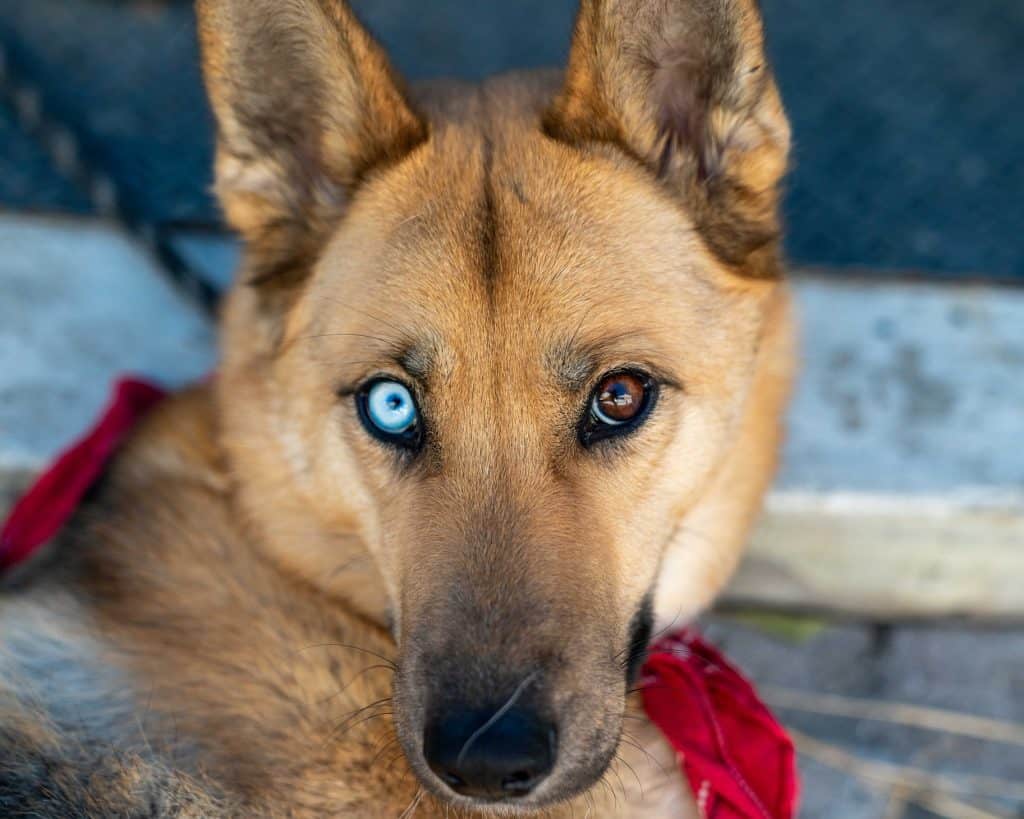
(306, 105)
(684, 87)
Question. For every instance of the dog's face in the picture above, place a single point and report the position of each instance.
(491, 350)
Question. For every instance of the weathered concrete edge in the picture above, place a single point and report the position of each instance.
(954, 552)
(874, 557)
(878, 556)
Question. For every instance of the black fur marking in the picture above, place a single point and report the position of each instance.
(640, 635)
(488, 219)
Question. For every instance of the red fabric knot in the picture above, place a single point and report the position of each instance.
(738, 760)
(47, 505)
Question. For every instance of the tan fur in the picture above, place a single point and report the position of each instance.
(257, 568)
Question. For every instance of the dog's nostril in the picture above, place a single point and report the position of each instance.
(518, 784)
(453, 781)
(478, 754)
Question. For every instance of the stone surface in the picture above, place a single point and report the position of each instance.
(903, 157)
(956, 670)
(81, 304)
(210, 255)
(902, 485)
(910, 388)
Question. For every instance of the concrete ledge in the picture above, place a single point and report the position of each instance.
(902, 488)
(888, 556)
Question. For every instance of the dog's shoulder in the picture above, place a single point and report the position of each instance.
(44, 772)
(71, 740)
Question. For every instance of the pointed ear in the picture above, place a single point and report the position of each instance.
(306, 104)
(684, 87)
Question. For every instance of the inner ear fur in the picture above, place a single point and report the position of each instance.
(306, 104)
(684, 87)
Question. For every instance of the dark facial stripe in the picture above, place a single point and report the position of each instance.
(640, 635)
(488, 219)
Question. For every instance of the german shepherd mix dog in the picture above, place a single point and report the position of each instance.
(500, 395)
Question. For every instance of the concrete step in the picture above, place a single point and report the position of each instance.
(902, 488)
(80, 302)
(902, 485)
(898, 721)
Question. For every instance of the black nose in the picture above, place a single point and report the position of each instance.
(490, 753)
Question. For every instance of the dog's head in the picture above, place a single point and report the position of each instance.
(490, 345)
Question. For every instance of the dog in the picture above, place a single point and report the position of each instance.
(501, 391)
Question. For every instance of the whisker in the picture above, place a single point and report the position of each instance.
(708, 539)
(615, 797)
(663, 631)
(622, 785)
(650, 757)
(353, 715)
(347, 685)
(364, 312)
(412, 805)
(622, 657)
(495, 717)
(386, 341)
(336, 736)
(387, 746)
(632, 770)
(391, 762)
(388, 661)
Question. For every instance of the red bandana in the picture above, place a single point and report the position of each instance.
(737, 758)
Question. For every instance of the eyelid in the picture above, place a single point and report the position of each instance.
(591, 434)
(658, 375)
(662, 377)
(349, 388)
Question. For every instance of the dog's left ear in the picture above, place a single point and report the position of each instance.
(306, 105)
(684, 87)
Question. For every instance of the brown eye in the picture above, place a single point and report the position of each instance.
(618, 404)
(618, 398)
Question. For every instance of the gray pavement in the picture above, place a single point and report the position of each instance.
(954, 671)
(82, 303)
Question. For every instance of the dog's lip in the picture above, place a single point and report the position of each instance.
(508, 805)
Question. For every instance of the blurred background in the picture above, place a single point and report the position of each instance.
(904, 681)
(907, 114)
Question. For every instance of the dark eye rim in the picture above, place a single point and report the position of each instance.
(592, 430)
(411, 439)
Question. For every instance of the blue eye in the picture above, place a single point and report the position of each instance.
(388, 411)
